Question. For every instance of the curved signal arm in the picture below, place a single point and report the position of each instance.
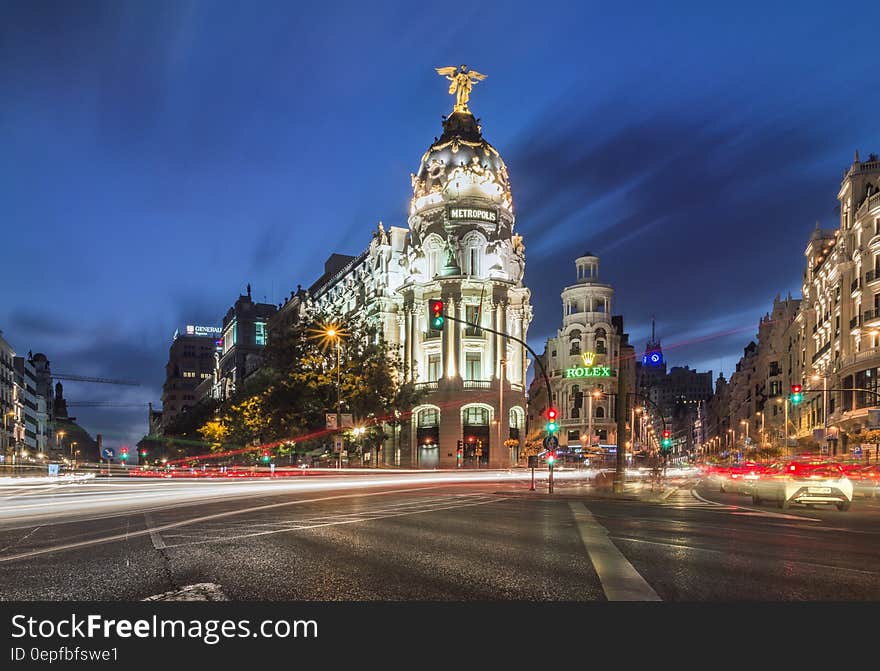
(521, 342)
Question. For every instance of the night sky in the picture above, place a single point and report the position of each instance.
(158, 156)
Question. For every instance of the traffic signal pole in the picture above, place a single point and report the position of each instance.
(620, 471)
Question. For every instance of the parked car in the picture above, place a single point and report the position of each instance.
(806, 482)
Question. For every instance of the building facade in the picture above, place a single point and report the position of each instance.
(828, 341)
(460, 247)
(583, 363)
(191, 361)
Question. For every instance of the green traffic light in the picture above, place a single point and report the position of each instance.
(437, 322)
(551, 427)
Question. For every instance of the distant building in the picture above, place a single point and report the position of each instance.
(190, 362)
(245, 335)
(34, 416)
(11, 422)
(678, 395)
(583, 363)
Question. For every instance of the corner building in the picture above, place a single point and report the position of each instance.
(460, 248)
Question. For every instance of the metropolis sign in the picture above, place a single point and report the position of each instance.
(473, 213)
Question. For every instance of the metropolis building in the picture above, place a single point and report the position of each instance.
(460, 247)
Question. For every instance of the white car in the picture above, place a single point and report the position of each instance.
(807, 482)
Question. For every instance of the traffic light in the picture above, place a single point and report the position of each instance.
(796, 394)
(551, 458)
(666, 443)
(123, 453)
(265, 458)
(435, 308)
(143, 452)
(552, 426)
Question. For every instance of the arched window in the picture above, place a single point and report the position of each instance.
(575, 338)
(475, 416)
(473, 248)
(600, 347)
(600, 412)
(433, 255)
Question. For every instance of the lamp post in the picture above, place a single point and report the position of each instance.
(745, 423)
(334, 334)
(73, 453)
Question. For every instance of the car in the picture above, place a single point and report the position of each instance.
(808, 482)
(741, 478)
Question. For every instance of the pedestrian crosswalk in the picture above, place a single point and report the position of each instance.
(687, 498)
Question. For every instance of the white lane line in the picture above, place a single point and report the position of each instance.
(620, 580)
(204, 518)
(306, 525)
(22, 539)
(780, 560)
(155, 536)
(756, 512)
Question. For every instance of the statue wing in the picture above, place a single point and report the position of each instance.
(479, 76)
(446, 72)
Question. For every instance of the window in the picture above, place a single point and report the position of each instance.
(600, 412)
(472, 316)
(472, 365)
(189, 373)
(260, 333)
(574, 435)
(600, 347)
(433, 367)
(429, 417)
(205, 376)
(476, 416)
(575, 347)
(474, 266)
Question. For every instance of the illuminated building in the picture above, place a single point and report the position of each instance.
(829, 340)
(460, 247)
(243, 337)
(583, 362)
(191, 362)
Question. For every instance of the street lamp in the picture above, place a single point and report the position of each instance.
(745, 423)
(358, 431)
(72, 453)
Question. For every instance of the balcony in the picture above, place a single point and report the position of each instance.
(870, 316)
(822, 350)
(426, 386)
(477, 384)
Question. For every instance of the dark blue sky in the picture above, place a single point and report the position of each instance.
(158, 156)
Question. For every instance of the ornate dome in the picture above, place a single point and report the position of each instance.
(460, 164)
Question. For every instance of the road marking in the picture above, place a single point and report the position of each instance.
(756, 512)
(158, 543)
(204, 518)
(306, 525)
(203, 591)
(781, 560)
(620, 580)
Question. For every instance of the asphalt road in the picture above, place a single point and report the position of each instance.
(413, 537)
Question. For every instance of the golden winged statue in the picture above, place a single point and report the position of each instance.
(463, 81)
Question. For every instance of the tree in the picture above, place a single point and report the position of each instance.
(297, 385)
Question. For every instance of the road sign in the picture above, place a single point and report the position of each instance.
(337, 445)
(857, 451)
(53, 469)
(551, 442)
(347, 421)
(108, 453)
(533, 462)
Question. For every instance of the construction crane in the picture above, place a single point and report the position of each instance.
(100, 380)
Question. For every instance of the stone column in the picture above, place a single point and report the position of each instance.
(448, 337)
(489, 320)
(458, 356)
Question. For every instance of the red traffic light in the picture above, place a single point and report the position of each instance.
(551, 413)
(667, 433)
(796, 389)
(436, 307)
